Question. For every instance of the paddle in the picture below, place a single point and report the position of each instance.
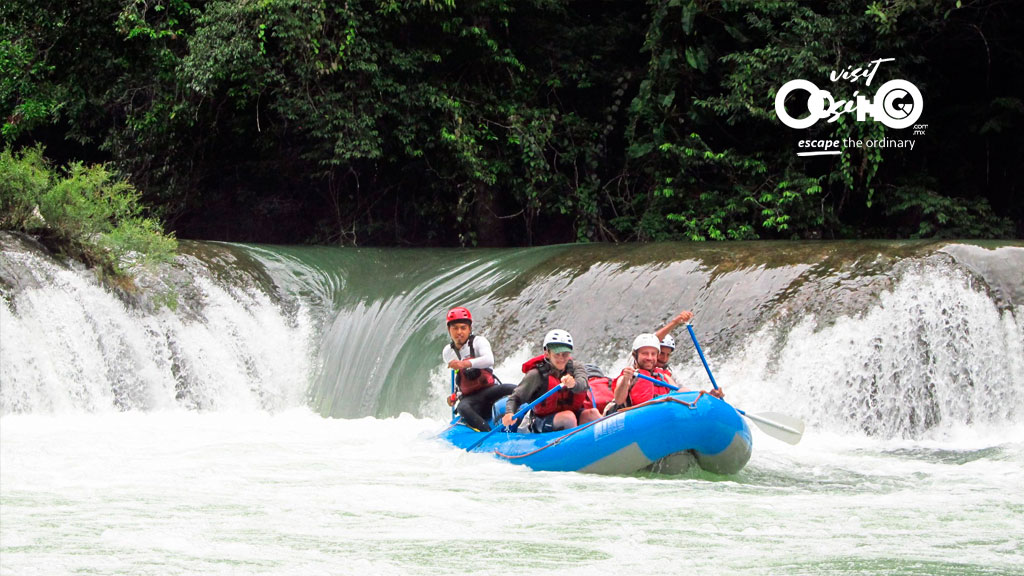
(522, 412)
(785, 428)
(453, 392)
(781, 426)
(689, 327)
(658, 382)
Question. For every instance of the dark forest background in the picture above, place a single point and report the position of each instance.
(495, 122)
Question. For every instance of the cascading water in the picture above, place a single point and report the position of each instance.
(68, 345)
(890, 344)
(260, 427)
(933, 352)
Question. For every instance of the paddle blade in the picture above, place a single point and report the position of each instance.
(780, 426)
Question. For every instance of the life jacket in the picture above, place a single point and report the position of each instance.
(559, 401)
(663, 372)
(641, 390)
(533, 363)
(479, 381)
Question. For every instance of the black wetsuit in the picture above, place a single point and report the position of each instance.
(473, 407)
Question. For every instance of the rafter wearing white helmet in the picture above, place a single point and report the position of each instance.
(646, 340)
(668, 342)
(558, 341)
(668, 345)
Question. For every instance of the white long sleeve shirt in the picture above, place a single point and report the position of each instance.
(484, 357)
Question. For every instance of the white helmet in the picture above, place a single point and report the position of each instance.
(645, 340)
(558, 338)
(668, 342)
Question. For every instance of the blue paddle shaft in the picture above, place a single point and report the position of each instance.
(701, 352)
(453, 392)
(658, 382)
(522, 412)
(785, 433)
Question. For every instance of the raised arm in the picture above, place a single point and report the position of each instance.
(681, 318)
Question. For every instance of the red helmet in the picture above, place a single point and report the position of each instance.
(459, 314)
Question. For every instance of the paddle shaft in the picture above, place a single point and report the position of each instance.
(453, 392)
(522, 412)
(689, 328)
(658, 382)
(772, 428)
(756, 418)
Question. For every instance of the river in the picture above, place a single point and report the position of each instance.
(280, 419)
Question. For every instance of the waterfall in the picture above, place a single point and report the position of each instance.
(935, 351)
(69, 344)
(887, 339)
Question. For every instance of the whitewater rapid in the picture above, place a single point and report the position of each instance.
(294, 493)
(272, 426)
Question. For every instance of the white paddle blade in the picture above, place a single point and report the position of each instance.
(781, 426)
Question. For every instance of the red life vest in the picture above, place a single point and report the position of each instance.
(642, 390)
(559, 401)
(533, 363)
(468, 386)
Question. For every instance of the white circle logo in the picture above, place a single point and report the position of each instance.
(897, 104)
(815, 103)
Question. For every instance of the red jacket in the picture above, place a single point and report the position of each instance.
(642, 390)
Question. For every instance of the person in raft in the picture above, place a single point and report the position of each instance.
(667, 342)
(471, 357)
(630, 390)
(563, 409)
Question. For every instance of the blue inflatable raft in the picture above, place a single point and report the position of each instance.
(664, 434)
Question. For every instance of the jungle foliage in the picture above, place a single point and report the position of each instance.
(86, 212)
(491, 122)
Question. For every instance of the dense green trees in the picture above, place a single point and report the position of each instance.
(496, 122)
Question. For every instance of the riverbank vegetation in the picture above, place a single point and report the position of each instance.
(84, 212)
(441, 122)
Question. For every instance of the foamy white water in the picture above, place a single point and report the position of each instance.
(70, 345)
(293, 493)
(932, 354)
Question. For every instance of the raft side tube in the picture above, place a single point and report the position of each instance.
(629, 440)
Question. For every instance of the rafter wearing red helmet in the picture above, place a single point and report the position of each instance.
(472, 359)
